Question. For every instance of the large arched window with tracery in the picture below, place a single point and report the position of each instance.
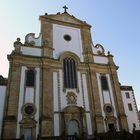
(69, 68)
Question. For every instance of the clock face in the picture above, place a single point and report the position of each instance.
(108, 109)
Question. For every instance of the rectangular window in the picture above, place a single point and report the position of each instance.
(104, 83)
(127, 94)
(30, 78)
(130, 107)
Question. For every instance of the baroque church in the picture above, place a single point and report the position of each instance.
(61, 83)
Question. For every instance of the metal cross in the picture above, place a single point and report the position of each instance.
(65, 8)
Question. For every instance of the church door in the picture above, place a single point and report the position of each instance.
(28, 134)
(73, 128)
(111, 127)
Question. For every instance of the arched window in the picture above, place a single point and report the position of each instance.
(30, 77)
(70, 78)
(104, 83)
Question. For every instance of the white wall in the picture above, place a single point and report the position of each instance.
(31, 51)
(37, 93)
(60, 45)
(60, 98)
(107, 97)
(28, 95)
(81, 93)
(101, 98)
(21, 97)
(31, 38)
(56, 125)
(2, 101)
(85, 92)
(55, 91)
(131, 115)
(100, 59)
(56, 101)
(88, 121)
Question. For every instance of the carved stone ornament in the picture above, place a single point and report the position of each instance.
(110, 119)
(17, 45)
(71, 98)
(30, 39)
(100, 49)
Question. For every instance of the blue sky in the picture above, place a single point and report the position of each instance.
(115, 25)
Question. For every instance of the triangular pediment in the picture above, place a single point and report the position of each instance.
(66, 17)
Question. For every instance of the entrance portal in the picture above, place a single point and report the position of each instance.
(111, 127)
(73, 128)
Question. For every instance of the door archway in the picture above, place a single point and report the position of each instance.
(73, 121)
(73, 127)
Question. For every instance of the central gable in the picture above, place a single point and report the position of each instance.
(65, 17)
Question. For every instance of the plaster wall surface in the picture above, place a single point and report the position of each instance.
(31, 51)
(60, 45)
(132, 116)
(100, 59)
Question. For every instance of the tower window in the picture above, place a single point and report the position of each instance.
(70, 78)
(30, 77)
(130, 107)
(104, 83)
(127, 94)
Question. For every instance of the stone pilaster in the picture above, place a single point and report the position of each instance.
(121, 112)
(11, 106)
(97, 118)
(86, 43)
(47, 38)
(47, 102)
(116, 88)
(47, 50)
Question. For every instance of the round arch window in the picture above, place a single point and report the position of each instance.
(67, 37)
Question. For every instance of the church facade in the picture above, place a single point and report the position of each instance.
(61, 84)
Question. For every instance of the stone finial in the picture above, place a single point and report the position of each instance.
(110, 58)
(17, 45)
(108, 52)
